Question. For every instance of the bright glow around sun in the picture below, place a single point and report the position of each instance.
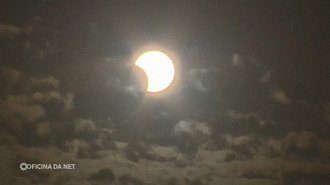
(159, 69)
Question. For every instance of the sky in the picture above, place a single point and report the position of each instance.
(250, 103)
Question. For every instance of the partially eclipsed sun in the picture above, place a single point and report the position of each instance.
(159, 69)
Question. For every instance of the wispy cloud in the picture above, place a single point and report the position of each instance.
(280, 96)
(8, 30)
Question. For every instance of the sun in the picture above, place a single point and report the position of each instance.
(159, 69)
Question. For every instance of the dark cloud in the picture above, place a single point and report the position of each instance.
(9, 78)
(104, 174)
(20, 108)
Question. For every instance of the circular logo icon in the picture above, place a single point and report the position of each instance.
(23, 166)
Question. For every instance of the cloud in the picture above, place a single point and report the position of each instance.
(200, 87)
(163, 114)
(191, 127)
(243, 116)
(54, 96)
(104, 174)
(130, 90)
(194, 78)
(8, 30)
(213, 156)
(207, 165)
(167, 152)
(304, 144)
(48, 81)
(266, 77)
(43, 128)
(84, 125)
(269, 148)
(26, 107)
(114, 82)
(238, 115)
(198, 72)
(280, 96)
(183, 126)
(296, 146)
(275, 93)
(68, 101)
(9, 77)
(73, 146)
(243, 159)
(237, 61)
(20, 108)
(46, 96)
(240, 141)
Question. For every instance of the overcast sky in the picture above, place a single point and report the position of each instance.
(250, 105)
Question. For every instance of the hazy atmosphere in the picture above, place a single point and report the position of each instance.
(250, 103)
